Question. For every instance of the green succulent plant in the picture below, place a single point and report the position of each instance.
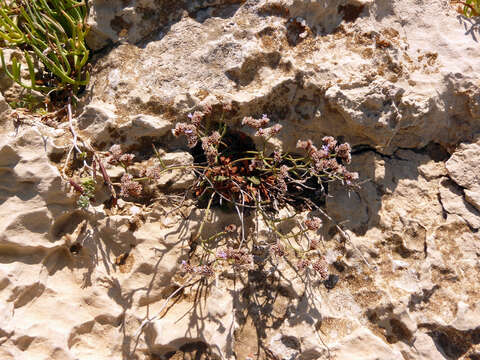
(88, 186)
(52, 32)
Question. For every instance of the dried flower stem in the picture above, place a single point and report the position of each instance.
(107, 180)
(340, 230)
(165, 303)
(204, 220)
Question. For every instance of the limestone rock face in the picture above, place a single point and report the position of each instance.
(463, 169)
(355, 69)
(107, 281)
(133, 21)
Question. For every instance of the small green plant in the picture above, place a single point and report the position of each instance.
(28, 101)
(51, 31)
(468, 8)
(86, 189)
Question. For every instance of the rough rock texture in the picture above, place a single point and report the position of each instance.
(381, 74)
(362, 70)
(463, 169)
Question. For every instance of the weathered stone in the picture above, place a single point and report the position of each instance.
(473, 196)
(364, 345)
(403, 283)
(463, 169)
(373, 88)
(454, 203)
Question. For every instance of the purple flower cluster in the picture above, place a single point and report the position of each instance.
(302, 264)
(260, 126)
(320, 266)
(329, 143)
(117, 156)
(313, 224)
(230, 228)
(196, 118)
(255, 123)
(190, 132)
(277, 157)
(255, 164)
(269, 132)
(153, 172)
(209, 146)
(325, 158)
(129, 187)
(278, 249)
(350, 177)
(201, 270)
(344, 152)
(115, 153)
(281, 176)
(240, 258)
(313, 244)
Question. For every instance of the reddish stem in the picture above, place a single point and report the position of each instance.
(474, 11)
(76, 186)
(107, 180)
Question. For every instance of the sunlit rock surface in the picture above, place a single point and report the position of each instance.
(397, 79)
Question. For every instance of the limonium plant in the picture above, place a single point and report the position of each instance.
(253, 181)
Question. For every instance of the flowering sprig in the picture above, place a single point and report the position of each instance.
(117, 156)
(327, 162)
(260, 180)
(240, 258)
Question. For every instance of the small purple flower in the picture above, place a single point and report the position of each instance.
(190, 115)
(221, 254)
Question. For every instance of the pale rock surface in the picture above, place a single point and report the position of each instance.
(371, 77)
(132, 21)
(367, 347)
(404, 284)
(454, 203)
(463, 169)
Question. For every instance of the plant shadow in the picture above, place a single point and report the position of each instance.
(471, 26)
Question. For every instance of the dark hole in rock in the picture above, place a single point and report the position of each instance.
(56, 156)
(110, 203)
(476, 336)
(424, 297)
(331, 282)
(452, 345)
(237, 145)
(75, 248)
(437, 152)
(66, 224)
(119, 24)
(190, 351)
(291, 342)
(332, 231)
(399, 331)
(295, 30)
(350, 12)
(339, 266)
(372, 316)
(122, 258)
